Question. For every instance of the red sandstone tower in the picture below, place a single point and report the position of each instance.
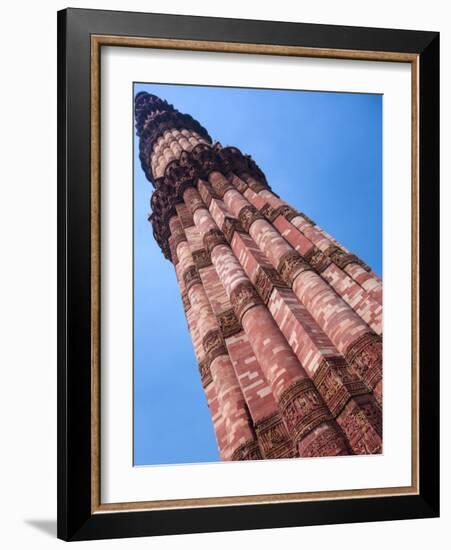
(286, 323)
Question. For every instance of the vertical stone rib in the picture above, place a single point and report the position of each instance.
(220, 428)
(229, 394)
(204, 371)
(269, 427)
(305, 413)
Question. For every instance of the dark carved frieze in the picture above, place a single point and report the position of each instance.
(244, 297)
(342, 258)
(187, 171)
(285, 210)
(185, 217)
(228, 323)
(240, 185)
(207, 193)
(201, 258)
(229, 227)
(213, 238)
(291, 264)
(255, 180)
(273, 437)
(205, 373)
(317, 259)
(191, 277)
(268, 212)
(195, 203)
(221, 185)
(248, 215)
(267, 278)
(244, 166)
(337, 383)
(214, 345)
(247, 451)
(186, 302)
(153, 117)
(302, 408)
(360, 432)
(365, 356)
(328, 442)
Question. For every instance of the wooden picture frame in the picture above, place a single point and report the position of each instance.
(81, 35)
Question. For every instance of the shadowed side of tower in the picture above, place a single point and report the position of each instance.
(286, 323)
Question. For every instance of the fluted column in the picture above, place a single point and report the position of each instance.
(304, 411)
(239, 430)
(271, 431)
(337, 383)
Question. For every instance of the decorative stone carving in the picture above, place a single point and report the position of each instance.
(268, 212)
(273, 436)
(285, 210)
(229, 227)
(365, 355)
(359, 431)
(207, 193)
(243, 298)
(337, 383)
(185, 217)
(291, 264)
(247, 451)
(186, 302)
(302, 408)
(195, 203)
(244, 166)
(317, 259)
(228, 323)
(326, 443)
(201, 258)
(342, 258)
(212, 238)
(187, 171)
(213, 344)
(221, 185)
(267, 278)
(248, 215)
(205, 373)
(240, 185)
(191, 277)
(257, 186)
(153, 117)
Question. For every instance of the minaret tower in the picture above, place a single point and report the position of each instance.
(286, 323)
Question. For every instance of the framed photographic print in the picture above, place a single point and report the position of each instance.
(248, 274)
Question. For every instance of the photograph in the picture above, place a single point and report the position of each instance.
(257, 273)
(248, 265)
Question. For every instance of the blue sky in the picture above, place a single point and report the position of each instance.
(322, 153)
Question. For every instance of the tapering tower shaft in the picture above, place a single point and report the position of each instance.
(286, 323)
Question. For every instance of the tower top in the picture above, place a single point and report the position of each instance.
(153, 117)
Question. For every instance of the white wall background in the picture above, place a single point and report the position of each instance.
(28, 271)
